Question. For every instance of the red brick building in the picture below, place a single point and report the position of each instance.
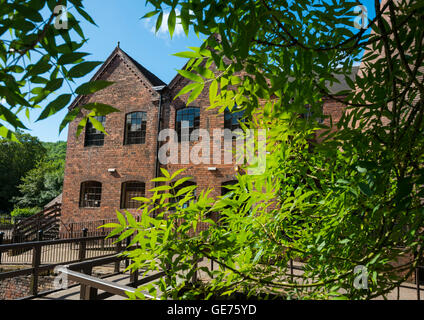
(103, 172)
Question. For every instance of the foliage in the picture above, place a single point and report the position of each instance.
(24, 212)
(15, 160)
(55, 150)
(353, 199)
(39, 55)
(41, 184)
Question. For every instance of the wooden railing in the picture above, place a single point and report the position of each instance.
(39, 266)
(81, 273)
(44, 220)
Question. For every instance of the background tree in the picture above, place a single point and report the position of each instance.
(16, 158)
(353, 200)
(39, 54)
(43, 183)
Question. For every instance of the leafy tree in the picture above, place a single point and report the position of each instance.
(354, 199)
(55, 150)
(41, 184)
(16, 158)
(39, 55)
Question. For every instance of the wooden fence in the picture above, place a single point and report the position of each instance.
(75, 250)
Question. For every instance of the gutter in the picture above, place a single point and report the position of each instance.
(159, 90)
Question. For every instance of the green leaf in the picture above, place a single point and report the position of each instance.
(159, 21)
(70, 116)
(149, 14)
(100, 109)
(213, 91)
(191, 76)
(70, 58)
(188, 55)
(171, 22)
(82, 69)
(195, 93)
(55, 106)
(97, 124)
(92, 87)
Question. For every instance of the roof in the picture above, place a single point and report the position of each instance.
(154, 80)
(144, 74)
(58, 199)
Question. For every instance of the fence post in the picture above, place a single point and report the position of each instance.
(83, 245)
(417, 280)
(118, 250)
(87, 292)
(40, 235)
(1, 242)
(127, 261)
(36, 261)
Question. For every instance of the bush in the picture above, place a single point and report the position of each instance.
(24, 212)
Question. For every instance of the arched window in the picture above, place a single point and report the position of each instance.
(232, 119)
(135, 128)
(91, 194)
(94, 137)
(130, 190)
(187, 120)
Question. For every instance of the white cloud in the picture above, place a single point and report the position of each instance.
(163, 31)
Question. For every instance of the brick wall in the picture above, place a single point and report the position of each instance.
(19, 287)
(137, 162)
(132, 162)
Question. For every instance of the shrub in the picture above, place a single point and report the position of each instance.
(24, 212)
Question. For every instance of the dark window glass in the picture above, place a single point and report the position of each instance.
(232, 119)
(91, 194)
(181, 186)
(135, 128)
(225, 191)
(132, 190)
(188, 118)
(94, 137)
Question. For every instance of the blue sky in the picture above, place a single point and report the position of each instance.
(120, 21)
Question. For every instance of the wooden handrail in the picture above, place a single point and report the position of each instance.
(25, 245)
(100, 284)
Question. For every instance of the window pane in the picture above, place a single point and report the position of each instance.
(135, 128)
(132, 190)
(179, 198)
(91, 194)
(189, 119)
(94, 137)
(232, 119)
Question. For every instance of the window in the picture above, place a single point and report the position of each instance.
(132, 190)
(232, 119)
(135, 128)
(182, 186)
(309, 115)
(91, 194)
(94, 137)
(188, 118)
(225, 191)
